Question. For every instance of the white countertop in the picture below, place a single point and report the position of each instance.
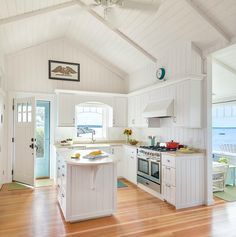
(89, 162)
(94, 145)
(182, 154)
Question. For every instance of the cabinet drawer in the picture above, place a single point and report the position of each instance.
(168, 175)
(168, 161)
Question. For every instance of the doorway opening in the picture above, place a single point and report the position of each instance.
(224, 123)
(42, 135)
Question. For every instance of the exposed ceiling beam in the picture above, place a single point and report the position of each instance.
(26, 15)
(225, 66)
(118, 32)
(208, 20)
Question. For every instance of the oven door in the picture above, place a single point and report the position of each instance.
(155, 171)
(143, 167)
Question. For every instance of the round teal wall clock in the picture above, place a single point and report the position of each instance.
(160, 73)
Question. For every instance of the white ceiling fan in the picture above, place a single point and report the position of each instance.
(110, 7)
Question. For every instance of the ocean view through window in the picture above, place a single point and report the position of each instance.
(224, 126)
(91, 119)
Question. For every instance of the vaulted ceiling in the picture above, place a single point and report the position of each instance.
(139, 36)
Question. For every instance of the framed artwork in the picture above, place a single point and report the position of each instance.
(65, 71)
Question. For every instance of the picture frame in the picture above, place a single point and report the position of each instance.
(66, 71)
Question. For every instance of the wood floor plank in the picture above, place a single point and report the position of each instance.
(37, 213)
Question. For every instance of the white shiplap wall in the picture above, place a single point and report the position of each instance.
(179, 61)
(27, 70)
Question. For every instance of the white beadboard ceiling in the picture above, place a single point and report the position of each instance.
(154, 32)
(224, 73)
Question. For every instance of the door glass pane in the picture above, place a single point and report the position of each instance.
(19, 113)
(43, 139)
(24, 108)
(155, 170)
(29, 108)
(40, 131)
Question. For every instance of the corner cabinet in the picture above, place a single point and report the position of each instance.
(183, 180)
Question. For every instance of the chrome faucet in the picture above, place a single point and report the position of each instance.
(93, 139)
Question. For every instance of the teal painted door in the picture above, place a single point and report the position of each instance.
(42, 139)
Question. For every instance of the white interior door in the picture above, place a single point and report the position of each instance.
(24, 152)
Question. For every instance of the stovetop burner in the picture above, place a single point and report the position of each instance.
(158, 148)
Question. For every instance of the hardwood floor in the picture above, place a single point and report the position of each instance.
(36, 213)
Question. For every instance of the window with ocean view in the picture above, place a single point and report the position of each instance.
(91, 119)
(224, 127)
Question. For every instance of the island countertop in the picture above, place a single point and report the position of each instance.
(90, 162)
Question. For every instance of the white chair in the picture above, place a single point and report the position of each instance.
(219, 176)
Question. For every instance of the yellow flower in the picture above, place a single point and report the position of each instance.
(128, 131)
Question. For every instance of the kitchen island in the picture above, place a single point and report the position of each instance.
(86, 188)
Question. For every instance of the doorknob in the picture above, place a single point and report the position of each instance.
(31, 146)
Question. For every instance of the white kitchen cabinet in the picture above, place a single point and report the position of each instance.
(130, 164)
(66, 110)
(136, 106)
(188, 104)
(183, 179)
(118, 154)
(66, 103)
(120, 112)
(187, 96)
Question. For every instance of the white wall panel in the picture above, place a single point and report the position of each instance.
(179, 60)
(27, 70)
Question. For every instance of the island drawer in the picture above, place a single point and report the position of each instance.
(168, 161)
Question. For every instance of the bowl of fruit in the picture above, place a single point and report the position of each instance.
(133, 142)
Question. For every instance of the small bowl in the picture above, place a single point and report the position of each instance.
(133, 142)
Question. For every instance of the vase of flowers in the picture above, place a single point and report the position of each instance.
(128, 133)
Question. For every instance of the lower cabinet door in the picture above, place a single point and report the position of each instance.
(132, 169)
(169, 193)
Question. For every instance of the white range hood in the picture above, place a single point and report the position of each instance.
(159, 109)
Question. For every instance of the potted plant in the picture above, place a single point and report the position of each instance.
(127, 132)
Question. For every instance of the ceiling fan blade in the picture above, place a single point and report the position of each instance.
(132, 4)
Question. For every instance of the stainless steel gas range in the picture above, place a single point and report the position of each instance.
(149, 166)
